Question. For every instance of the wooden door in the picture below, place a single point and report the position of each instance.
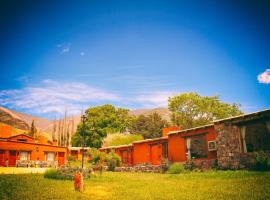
(61, 158)
(2, 158)
(12, 158)
(155, 154)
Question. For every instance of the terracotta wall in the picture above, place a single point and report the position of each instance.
(177, 143)
(148, 152)
(141, 153)
(165, 131)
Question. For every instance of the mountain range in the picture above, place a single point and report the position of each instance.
(45, 126)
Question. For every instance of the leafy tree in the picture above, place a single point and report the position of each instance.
(100, 121)
(148, 126)
(191, 110)
(33, 131)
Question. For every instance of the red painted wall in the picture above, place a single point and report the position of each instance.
(176, 148)
(165, 131)
(177, 143)
(126, 154)
(148, 152)
(141, 153)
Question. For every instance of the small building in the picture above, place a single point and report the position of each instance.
(150, 151)
(25, 150)
(76, 152)
(124, 151)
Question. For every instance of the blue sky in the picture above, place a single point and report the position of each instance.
(133, 54)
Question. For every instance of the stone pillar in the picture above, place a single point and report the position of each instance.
(188, 143)
(228, 145)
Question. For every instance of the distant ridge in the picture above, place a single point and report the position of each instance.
(45, 126)
(163, 112)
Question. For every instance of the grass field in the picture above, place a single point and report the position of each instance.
(20, 170)
(209, 185)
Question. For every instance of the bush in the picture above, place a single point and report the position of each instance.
(262, 161)
(122, 139)
(66, 173)
(165, 164)
(97, 157)
(189, 165)
(176, 168)
(112, 160)
(71, 158)
(50, 173)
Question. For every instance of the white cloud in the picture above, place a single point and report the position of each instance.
(65, 50)
(264, 77)
(154, 99)
(54, 97)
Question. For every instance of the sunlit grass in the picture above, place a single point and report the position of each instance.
(210, 185)
(21, 170)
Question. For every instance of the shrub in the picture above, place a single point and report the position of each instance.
(165, 164)
(97, 157)
(176, 168)
(112, 160)
(121, 139)
(67, 173)
(262, 161)
(189, 165)
(50, 173)
(71, 158)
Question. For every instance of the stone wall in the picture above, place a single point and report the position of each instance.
(229, 149)
(140, 168)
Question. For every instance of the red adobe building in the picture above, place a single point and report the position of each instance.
(192, 143)
(124, 151)
(14, 149)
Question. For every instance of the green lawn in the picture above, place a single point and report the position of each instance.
(21, 170)
(209, 185)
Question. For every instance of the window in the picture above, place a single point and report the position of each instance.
(255, 137)
(23, 155)
(196, 147)
(165, 150)
(22, 140)
(50, 156)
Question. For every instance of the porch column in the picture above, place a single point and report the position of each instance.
(243, 134)
(268, 125)
(188, 148)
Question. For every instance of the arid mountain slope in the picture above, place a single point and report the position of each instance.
(45, 126)
(164, 112)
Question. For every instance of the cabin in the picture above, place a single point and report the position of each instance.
(150, 151)
(23, 150)
(124, 151)
(76, 152)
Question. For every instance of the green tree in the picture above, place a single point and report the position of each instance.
(100, 121)
(32, 132)
(190, 109)
(148, 126)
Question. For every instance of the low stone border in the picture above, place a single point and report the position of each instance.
(140, 168)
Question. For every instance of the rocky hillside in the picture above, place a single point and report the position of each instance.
(9, 117)
(164, 112)
(45, 126)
